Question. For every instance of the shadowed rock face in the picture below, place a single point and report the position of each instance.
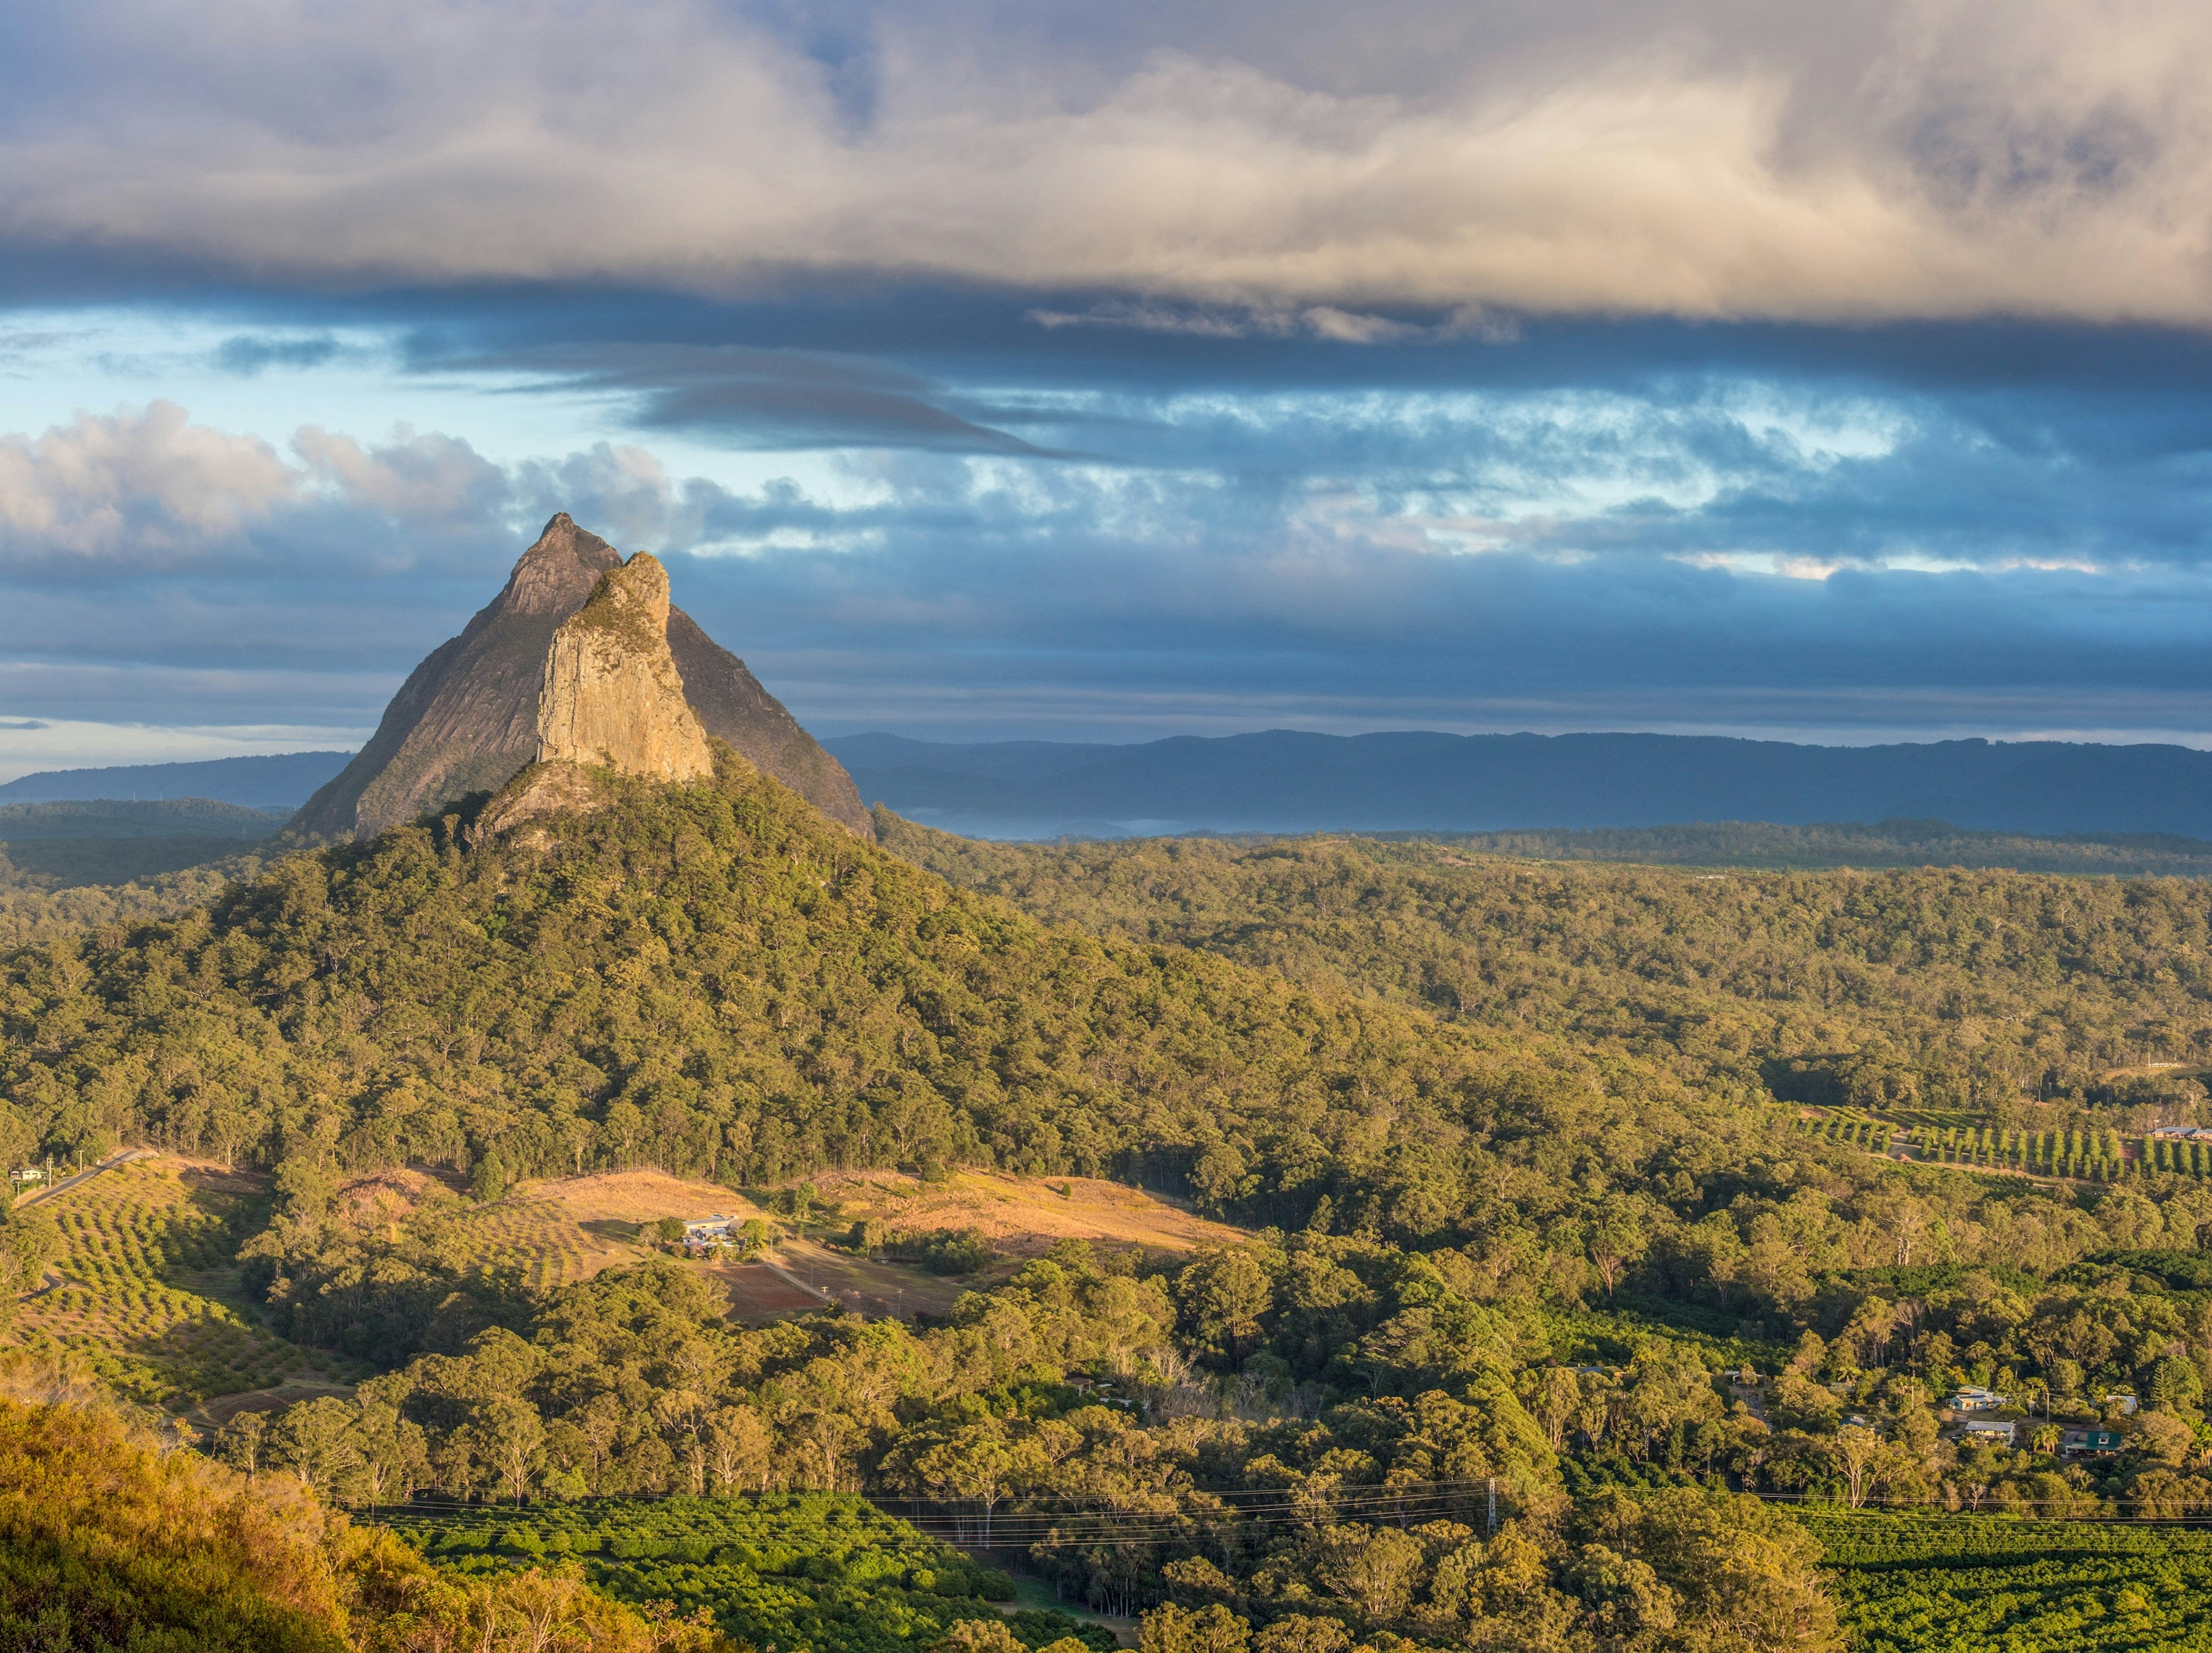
(467, 719)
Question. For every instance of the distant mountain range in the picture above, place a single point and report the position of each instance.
(1285, 781)
(285, 781)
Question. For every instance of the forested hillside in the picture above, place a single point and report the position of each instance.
(715, 980)
(35, 905)
(1906, 844)
(1981, 991)
(1545, 1303)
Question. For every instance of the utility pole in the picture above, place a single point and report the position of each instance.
(1493, 1506)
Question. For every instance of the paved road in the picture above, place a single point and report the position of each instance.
(112, 1162)
(51, 1281)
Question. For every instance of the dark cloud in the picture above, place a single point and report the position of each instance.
(765, 399)
(248, 354)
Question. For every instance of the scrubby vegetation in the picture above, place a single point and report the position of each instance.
(112, 1539)
(825, 1571)
(1991, 992)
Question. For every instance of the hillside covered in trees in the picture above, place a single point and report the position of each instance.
(715, 980)
(1982, 991)
(1548, 1313)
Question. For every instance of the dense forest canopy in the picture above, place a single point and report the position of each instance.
(713, 979)
(1894, 843)
(1982, 991)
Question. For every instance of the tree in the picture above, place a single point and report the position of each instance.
(1856, 1452)
(1171, 1629)
(1615, 1240)
(975, 1464)
(315, 1440)
(1221, 1297)
(738, 1449)
(1668, 1384)
(240, 1443)
(507, 1434)
(1746, 1575)
(978, 1636)
(487, 1181)
(1375, 1569)
(1556, 1396)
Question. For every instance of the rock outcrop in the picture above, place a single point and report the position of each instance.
(612, 696)
(467, 719)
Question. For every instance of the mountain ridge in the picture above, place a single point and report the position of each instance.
(280, 780)
(1289, 781)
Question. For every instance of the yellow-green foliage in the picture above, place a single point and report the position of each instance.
(107, 1543)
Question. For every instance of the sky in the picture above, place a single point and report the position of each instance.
(988, 371)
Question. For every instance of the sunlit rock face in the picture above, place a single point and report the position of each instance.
(473, 713)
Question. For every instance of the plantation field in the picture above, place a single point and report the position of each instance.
(1937, 1583)
(148, 1294)
(2066, 1156)
(810, 1572)
(1023, 1215)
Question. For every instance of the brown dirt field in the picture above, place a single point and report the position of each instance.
(757, 1290)
(1023, 1215)
(386, 1194)
(869, 1286)
(215, 1414)
(638, 1196)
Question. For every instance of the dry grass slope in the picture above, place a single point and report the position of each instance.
(1022, 1216)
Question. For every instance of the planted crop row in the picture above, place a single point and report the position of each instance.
(2093, 1155)
(823, 1572)
(1936, 1583)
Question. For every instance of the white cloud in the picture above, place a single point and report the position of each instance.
(1706, 158)
(144, 485)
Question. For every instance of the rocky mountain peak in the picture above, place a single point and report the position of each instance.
(472, 714)
(557, 573)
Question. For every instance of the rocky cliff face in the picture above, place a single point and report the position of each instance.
(612, 695)
(467, 719)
